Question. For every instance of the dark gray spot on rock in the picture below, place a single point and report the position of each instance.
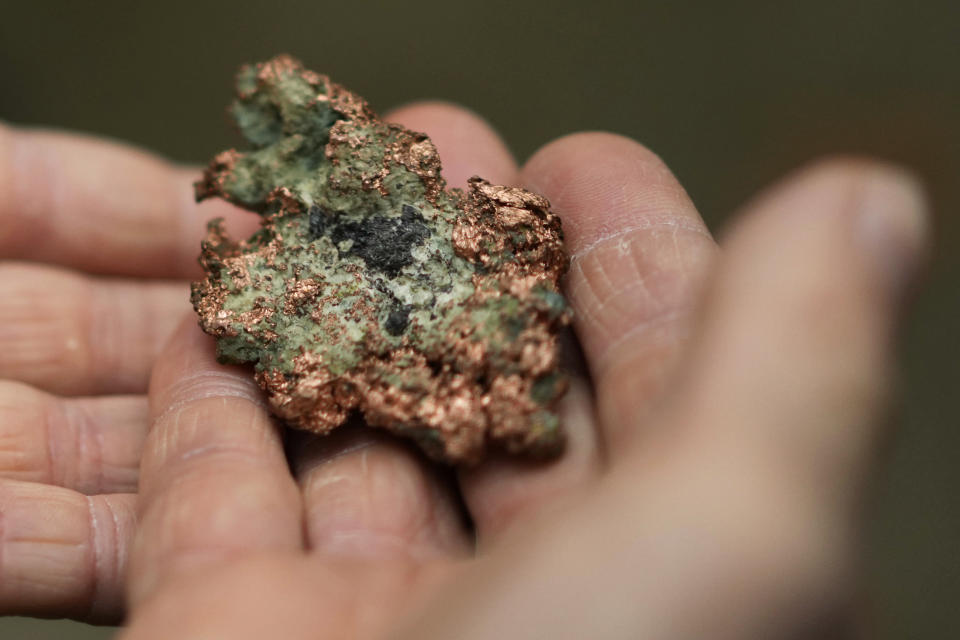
(397, 320)
(317, 221)
(384, 243)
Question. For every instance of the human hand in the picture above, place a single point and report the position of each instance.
(711, 483)
(97, 242)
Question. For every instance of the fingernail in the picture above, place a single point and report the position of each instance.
(892, 227)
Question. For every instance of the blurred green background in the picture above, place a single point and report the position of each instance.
(732, 94)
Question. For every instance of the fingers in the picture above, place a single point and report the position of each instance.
(63, 554)
(295, 598)
(639, 252)
(100, 207)
(736, 522)
(467, 145)
(779, 411)
(795, 357)
(214, 482)
(500, 489)
(505, 490)
(364, 493)
(90, 445)
(369, 495)
(107, 208)
(75, 335)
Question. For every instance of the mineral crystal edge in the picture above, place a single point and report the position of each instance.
(370, 287)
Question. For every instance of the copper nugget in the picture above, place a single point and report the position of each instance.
(372, 288)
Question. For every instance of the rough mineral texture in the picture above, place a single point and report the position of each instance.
(370, 287)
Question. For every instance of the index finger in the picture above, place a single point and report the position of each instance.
(214, 481)
(639, 252)
(100, 206)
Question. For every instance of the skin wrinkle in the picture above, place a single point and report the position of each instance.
(160, 449)
(18, 456)
(11, 455)
(220, 449)
(68, 463)
(425, 525)
(413, 535)
(664, 196)
(317, 462)
(105, 603)
(48, 415)
(207, 452)
(89, 445)
(675, 230)
(659, 321)
(111, 473)
(577, 287)
(675, 269)
(119, 545)
(95, 556)
(610, 298)
(45, 542)
(326, 480)
(682, 262)
(588, 315)
(213, 384)
(604, 275)
(26, 339)
(366, 541)
(588, 279)
(639, 280)
(46, 436)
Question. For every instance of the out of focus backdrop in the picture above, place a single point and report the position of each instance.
(731, 94)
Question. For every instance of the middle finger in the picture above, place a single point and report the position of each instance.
(364, 492)
(74, 334)
(214, 483)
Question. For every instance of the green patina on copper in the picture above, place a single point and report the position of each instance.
(372, 288)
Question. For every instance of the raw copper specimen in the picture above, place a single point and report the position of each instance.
(370, 287)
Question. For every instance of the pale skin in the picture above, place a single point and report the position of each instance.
(718, 452)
